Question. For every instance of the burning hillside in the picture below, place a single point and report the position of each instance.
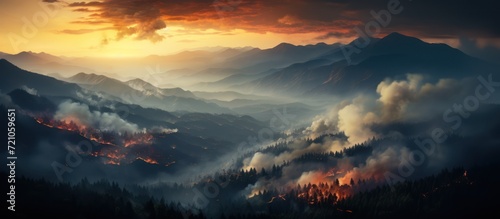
(106, 137)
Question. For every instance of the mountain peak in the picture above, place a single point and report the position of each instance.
(6, 64)
(87, 78)
(4, 61)
(283, 45)
(396, 34)
(396, 37)
(25, 53)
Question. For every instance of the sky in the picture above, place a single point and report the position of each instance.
(123, 28)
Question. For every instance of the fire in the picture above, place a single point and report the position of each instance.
(170, 163)
(72, 124)
(148, 160)
(112, 162)
(110, 156)
(324, 192)
(120, 143)
(138, 139)
(281, 196)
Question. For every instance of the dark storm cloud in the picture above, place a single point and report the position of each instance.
(334, 18)
(485, 50)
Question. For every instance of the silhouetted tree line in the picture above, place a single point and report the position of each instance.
(453, 193)
(101, 199)
(456, 193)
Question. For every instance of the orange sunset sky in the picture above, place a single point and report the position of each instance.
(122, 28)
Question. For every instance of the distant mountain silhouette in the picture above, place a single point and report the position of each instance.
(391, 56)
(143, 93)
(43, 63)
(279, 56)
(31, 102)
(13, 77)
(146, 87)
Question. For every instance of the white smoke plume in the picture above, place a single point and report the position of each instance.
(31, 91)
(405, 100)
(395, 100)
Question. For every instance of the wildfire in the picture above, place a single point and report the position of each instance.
(148, 160)
(324, 192)
(282, 197)
(138, 139)
(112, 162)
(170, 163)
(71, 124)
(120, 143)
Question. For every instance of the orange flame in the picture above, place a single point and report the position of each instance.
(148, 160)
(121, 142)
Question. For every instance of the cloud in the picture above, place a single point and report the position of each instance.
(487, 49)
(81, 114)
(289, 20)
(142, 19)
(84, 31)
(341, 33)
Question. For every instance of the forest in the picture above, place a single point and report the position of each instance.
(455, 193)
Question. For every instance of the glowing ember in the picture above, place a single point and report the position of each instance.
(170, 163)
(112, 162)
(70, 125)
(324, 192)
(282, 197)
(148, 160)
(120, 143)
(138, 139)
(126, 140)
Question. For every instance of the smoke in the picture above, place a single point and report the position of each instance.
(326, 123)
(355, 122)
(297, 148)
(5, 99)
(31, 91)
(92, 98)
(379, 163)
(398, 101)
(259, 161)
(81, 114)
(158, 129)
(310, 177)
(395, 96)
(394, 102)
